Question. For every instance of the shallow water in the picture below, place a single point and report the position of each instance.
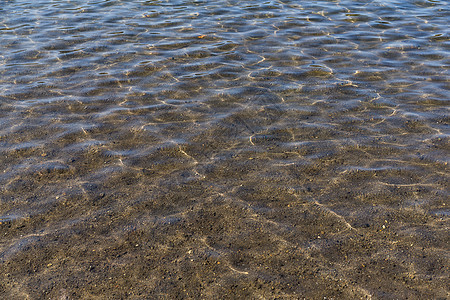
(224, 149)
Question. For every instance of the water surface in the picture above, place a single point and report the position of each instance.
(224, 149)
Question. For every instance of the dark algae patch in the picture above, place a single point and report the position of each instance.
(224, 150)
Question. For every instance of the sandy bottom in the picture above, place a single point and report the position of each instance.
(202, 221)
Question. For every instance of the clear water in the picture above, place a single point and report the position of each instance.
(224, 149)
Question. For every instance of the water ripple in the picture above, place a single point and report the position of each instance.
(248, 149)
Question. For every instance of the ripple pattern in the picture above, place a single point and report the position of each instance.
(233, 149)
